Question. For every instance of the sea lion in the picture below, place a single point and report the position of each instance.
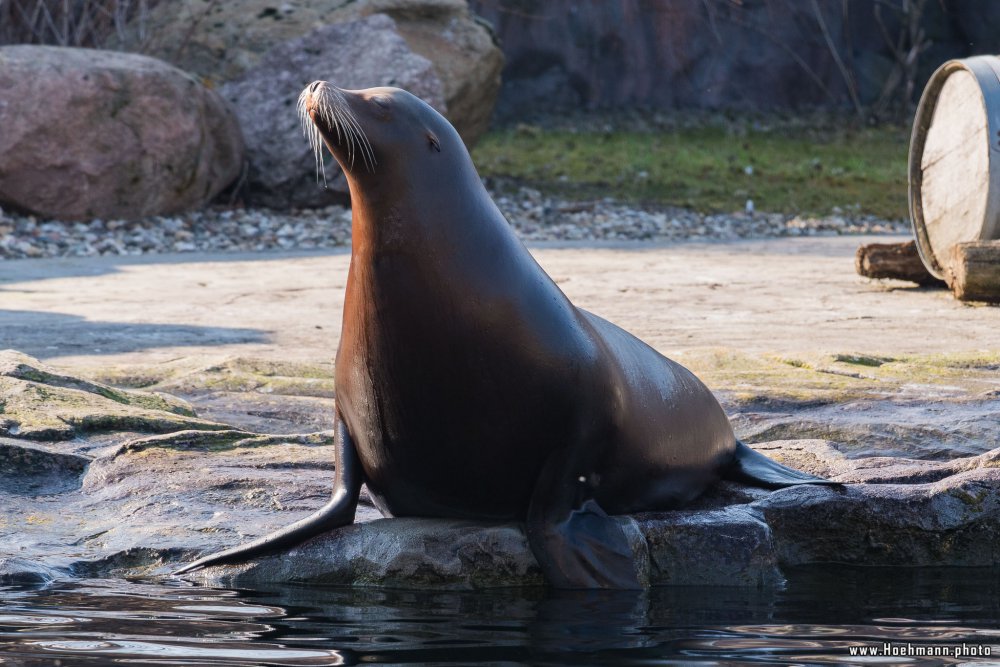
(468, 385)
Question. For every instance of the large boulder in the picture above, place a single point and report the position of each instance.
(90, 133)
(220, 41)
(464, 51)
(357, 54)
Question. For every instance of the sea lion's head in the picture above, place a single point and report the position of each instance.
(372, 130)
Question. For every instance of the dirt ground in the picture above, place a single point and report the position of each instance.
(782, 296)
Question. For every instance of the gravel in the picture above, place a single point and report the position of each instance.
(535, 216)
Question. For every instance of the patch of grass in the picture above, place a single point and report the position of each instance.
(710, 169)
(862, 359)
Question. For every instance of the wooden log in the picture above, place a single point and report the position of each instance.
(974, 271)
(899, 261)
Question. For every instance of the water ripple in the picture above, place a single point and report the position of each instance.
(245, 652)
(821, 616)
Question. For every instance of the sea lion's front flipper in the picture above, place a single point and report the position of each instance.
(338, 512)
(754, 468)
(575, 542)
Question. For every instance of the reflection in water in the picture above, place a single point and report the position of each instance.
(817, 618)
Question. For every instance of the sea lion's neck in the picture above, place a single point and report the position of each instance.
(427, 213)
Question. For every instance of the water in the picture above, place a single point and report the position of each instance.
(815, 619)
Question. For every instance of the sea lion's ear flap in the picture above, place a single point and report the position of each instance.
(433, 141)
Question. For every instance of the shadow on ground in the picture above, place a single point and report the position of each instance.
(66, 335)
(29, 270)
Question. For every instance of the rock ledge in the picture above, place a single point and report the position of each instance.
(99, 481)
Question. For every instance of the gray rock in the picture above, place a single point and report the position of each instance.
(465, 53)
(727, 547)
(896, 427)
(142, 484)
(398, 553)
(733, 536)
(951, 522)
(91, 133)
(221, 41)
(357, 54)
(23, 571)
(33, 469)
(730, 547)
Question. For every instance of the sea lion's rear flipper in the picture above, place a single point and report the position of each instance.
(754, 468)
(576, 544)
(338, 512)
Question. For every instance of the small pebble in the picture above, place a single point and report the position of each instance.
(535, 217)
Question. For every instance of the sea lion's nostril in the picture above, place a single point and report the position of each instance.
(314, 85)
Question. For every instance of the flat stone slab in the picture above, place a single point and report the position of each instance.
(143, 485)
(930, 514)
(729, 547)
(281, 306)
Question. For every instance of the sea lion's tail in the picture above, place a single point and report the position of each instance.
(334, 514)
(752, 467)
(338, 512)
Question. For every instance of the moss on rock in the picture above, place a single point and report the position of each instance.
(39, 403)
(840, 377)
(225, 440)
(238, 374)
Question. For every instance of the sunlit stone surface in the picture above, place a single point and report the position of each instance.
(98, 481)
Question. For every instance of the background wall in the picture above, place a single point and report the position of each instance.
(872, 56)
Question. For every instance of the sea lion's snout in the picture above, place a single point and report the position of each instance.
(308, 99)
(321, 103)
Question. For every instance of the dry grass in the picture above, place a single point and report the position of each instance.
(86, 23)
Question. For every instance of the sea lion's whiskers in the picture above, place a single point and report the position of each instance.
(311, 132)
(355, 140)
(330, 105)
(351, 138)
(366, 146)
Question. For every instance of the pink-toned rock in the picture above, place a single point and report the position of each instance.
(88, 133)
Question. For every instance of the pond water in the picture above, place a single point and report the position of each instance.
(815, 619)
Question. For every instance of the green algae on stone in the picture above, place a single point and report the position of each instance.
(20, 366)
(270, 377)
(237, 374)
(43, 404)
(862, 359)
(223, 440)
(821, 378)
(973, 500)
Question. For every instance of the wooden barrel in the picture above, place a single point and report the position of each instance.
(955, 160)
